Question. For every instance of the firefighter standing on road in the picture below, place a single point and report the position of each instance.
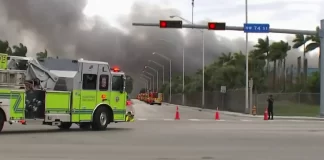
(270, 107)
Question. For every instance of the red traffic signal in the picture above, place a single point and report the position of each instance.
(170, 24)
(216, 26)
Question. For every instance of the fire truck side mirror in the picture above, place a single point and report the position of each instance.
(121, 89)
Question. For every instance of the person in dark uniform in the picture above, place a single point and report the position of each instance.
(270, 107)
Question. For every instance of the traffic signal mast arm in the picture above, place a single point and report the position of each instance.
(234, 28)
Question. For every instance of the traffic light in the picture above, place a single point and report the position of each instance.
(170, 24)
(216, 26)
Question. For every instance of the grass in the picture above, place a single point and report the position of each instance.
(295, 109)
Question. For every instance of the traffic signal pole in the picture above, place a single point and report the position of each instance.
(272, 30)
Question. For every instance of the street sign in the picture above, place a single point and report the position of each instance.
(223, 89)
(256, 28)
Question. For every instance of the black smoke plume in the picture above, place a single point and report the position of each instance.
(61, 27)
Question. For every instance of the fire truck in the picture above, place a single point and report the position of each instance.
(83, 95)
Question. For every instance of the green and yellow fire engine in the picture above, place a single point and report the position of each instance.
(87, 95)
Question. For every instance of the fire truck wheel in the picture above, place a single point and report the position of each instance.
(85, 126)
(2, 120)
(100, 119)
(65, 125)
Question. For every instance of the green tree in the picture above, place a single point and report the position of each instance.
(314, 82)
(5, 48)
(4, 45)
(278, 52)
(41, 55)
(20, 50)
(257, 73)
(301, 40)
(315, 43)
(263, 47)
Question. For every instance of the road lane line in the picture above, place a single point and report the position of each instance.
(296, 120)
(245, 120)
(141, 119)
(168, 119)
(194, 119)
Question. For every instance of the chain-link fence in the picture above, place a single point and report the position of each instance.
(286, 104)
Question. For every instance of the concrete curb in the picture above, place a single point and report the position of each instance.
(251, 116)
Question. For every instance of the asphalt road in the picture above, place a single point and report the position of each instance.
(155, 136)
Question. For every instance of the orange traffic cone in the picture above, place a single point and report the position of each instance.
(217, 114)
(177, 114)
(265, 116)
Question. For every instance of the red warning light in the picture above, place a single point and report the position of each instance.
(211, 25)
(163, 24)
(170, 24)
(103, 96)
(216, 26)
(115, 69)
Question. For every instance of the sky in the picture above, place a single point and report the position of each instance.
(288, 14)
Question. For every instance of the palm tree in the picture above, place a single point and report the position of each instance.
(263, 46)
(301, 40)
(278, 51)
(315, 43)
(4, 45)
(20, 50)
(224, 58)
(41, 55)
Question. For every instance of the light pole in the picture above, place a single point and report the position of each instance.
(203, 61)
(183, 68)
(145, 82)
(152, 77)
(160, 66)
(157, 77)
(149, 79)
(246, 62)
(170, 76)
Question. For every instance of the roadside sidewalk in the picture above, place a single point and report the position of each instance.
(248, 115)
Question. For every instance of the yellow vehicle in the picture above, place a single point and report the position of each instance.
(154, 98)
(143, 97)
(58, 96)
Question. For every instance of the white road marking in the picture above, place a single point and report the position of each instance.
(245, 120)
(194, 119)
(168, 119)
(142, 119)
(296, 120)
(220, 120)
